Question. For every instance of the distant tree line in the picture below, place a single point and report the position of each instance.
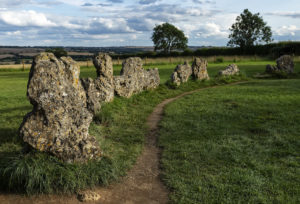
(272, 50)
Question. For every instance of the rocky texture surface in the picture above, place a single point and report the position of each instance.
(284, 63)
(88, 196)
(181, 73)
(59, 121)
(101, 89)
(134, 79)
(199, 69)
(232, 69)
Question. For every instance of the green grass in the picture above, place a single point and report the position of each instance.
(234, 144)
(120, 129)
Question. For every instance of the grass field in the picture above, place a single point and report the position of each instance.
(119, 127)
(234, 144)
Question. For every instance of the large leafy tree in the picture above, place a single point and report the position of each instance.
(167, 37)
(249, 29)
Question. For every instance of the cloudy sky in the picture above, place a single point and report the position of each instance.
(130, 22)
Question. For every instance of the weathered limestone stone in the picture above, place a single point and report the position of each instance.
(134, 79)
(181, 73)
(101, 89)
(199, 69)
(284, 63)
(271, 69)
(59, 121)
(131, 66)
(232, 69)
(104, 65)
(93, 95)
(124, 86)
(88, 196)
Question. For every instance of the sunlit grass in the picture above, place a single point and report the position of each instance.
(234, 144)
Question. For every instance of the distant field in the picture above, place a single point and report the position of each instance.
(246, 60)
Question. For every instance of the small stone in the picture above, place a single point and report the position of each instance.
(88, 196)
(199, 69)
(134, 79)
(232, 69)
(175, 79)
(131, 66)
(271, 69)
(103, 64)
(284, 63)
(181, 73)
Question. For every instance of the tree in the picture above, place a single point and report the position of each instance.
(58, 52)
(167, 37)
(249, 29)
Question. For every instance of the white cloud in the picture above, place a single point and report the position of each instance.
(108, 25)
(15, 33)
(287, 30)
(212, 30)
(133, 37)
(25, 18)
(291, 14)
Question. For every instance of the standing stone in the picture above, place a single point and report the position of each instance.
(284, 63)
(124, 86)
(134, 79)
(232, 69)
(181, 73)
(102, 88)
(199, 69)
(132, 66)
(104, 65)
(59, 121)
(175, 79)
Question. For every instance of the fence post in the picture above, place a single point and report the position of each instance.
(23, 65)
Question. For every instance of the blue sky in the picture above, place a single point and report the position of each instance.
(130, 22)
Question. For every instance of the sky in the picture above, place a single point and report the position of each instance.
(100, 23)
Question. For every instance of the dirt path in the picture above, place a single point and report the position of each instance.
(141, 185)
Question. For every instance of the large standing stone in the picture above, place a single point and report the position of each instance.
(131, 66)
(232, 69)
(59, 121)
(199, 69)
(181, 73)
(102, 88)
(284, 63)
(134, 79)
